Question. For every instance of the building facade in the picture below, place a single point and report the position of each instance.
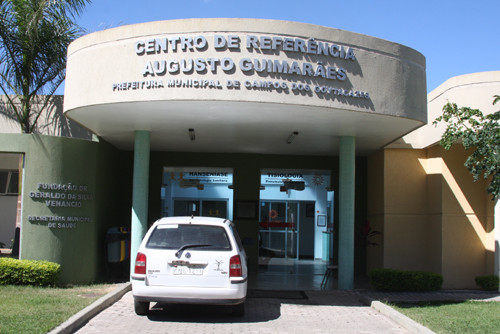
(305, 136)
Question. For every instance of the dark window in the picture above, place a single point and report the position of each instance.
(13, 187)
(237, 237)
(9, 182)
(201, 237)
(4, 178)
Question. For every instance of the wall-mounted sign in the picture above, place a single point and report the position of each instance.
(279, 177)
(175, 62)
(195, 177)
(293, 185)
(57, 196)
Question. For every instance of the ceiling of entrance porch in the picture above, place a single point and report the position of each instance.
(241, 127)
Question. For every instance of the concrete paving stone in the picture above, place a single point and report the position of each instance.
(322, 312)
(325, 311)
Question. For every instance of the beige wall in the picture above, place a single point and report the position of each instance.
(108, 87)
(473, 90)
(99, 60)
(406, 232)
(465, 210)
(434, 217)
(375, 210)
(52, 121)
(406, 228)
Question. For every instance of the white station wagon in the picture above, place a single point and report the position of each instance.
(190, 260)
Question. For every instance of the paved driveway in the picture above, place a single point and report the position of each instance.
(320, 312)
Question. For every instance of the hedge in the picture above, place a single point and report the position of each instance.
(28, 272)
(400, 280)
(489, 282)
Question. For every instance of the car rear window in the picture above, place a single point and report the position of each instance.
(237, 237)
(203, 237)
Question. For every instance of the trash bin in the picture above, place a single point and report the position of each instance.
(118, 244)
(117, 254)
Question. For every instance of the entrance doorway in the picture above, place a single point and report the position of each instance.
(11, 168)
(286, 229)
(295, 229)
(197, 191)
(295, 215)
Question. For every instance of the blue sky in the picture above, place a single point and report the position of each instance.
(456, 37)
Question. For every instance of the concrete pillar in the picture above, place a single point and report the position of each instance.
(346, 213)
(139, 193)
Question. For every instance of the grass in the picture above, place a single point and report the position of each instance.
(26, 309)
(464, 317)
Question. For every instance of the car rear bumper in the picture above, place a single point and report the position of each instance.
(231, 295)
(189, 300)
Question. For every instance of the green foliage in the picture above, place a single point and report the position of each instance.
(28, 272)
(489, 282)
(466, 317)
(30, 309)
(34, 36)
(478, 132)
(400, 280)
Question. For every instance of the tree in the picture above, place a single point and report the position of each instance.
(478, 132)
(34, 36)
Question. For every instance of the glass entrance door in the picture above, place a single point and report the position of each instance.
(279, 227)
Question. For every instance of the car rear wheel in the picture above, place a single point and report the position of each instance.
(239, 310)
(141, 308)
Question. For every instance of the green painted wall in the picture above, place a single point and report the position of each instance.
(68, 228)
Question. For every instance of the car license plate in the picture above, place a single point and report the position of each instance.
(182, 270)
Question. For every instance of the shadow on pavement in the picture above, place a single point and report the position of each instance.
(254, 312)
(258, 308)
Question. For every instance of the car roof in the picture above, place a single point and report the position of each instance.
(193, 220)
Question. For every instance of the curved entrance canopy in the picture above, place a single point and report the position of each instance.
(244, 86)
(241, 127)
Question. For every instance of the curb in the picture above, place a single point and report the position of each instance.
(90, 311)
(400, 319)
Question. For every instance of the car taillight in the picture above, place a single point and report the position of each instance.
(235, 267)
(140, 264)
